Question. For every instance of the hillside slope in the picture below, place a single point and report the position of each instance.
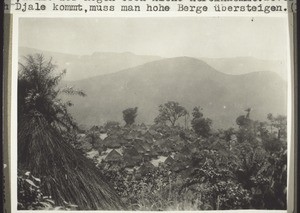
(189, 81)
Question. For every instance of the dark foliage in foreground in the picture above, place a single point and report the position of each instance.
(66, 174)
(38, 91)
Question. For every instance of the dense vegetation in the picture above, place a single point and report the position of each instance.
(226, 169)
(169, 166)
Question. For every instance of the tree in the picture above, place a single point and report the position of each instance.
(109, 125)
(38, 92)
(170, 112)
(43, 148)
(274, 133)
(244, 120)
(129, 115)
(197, 112)
(200, 124)
(279, 123)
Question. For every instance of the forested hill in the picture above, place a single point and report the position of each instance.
(189, 81)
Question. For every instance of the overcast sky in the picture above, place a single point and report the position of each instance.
(263, 38)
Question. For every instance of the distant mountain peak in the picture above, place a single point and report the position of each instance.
(179, 64)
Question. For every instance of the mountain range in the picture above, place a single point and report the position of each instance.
(243, 65)
(98, 63)
(85, 66)
(189, 81)
(116, 81)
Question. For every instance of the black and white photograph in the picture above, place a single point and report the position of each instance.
(152, 113)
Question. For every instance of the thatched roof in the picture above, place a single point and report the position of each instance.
(114, 156)
(143, 126)
(154, 152)
(169, 161)
(180, 157)
(139, 148)
(112, 142)
(168, 144)
(131, 157)
(179, 141)
(160, 143)
(66, 174)
(131, 162)
(95, 128)
(98, 143)
(101, 149)
(147, 135)
(132, 134)
(185, 151)
(146, 146)
(131, 151)
(156, 135)
(114, 167)
(86, 147)
(129, 137)
(177, 167)
(146, 168)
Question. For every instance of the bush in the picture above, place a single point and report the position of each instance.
(30, 196)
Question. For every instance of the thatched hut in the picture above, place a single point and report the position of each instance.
(139, 148)
(146, 168)
(179, 157)
(95, 128)
(186, 151)
(146, 146)
(85, 144)
(112, 142)
(178, 167)
(114, 156)
(129, 137)
(98, 143)
(156, 135)
(169, 161)
(131, 157)
(143, 126)
(153, 153)
(148, 136)
(160, 143)
(66, 175)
